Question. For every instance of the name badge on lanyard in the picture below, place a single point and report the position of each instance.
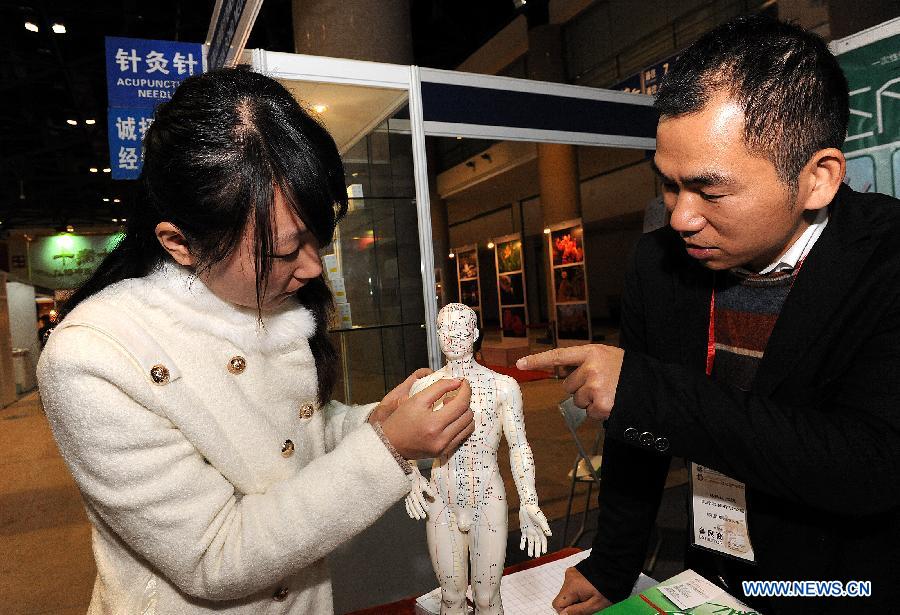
(718, 502)
(719, 513)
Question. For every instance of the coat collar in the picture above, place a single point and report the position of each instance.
(834, 263)
(189, 303)
(821, 286)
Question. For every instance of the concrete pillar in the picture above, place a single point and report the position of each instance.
(850, 16)
(809, 14)
(557, 163)
(354, 29)
(558, 180)
(440, 234)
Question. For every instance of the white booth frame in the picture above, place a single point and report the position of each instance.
(298, 67)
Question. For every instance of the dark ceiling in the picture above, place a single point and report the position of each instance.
(47, 79)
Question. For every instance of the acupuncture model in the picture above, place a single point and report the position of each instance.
(466, 511)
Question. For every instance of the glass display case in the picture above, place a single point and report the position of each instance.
(380, 329)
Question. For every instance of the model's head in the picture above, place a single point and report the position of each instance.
(457, 328)
(752, 118)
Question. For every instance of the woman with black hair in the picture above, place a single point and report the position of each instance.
(188, 384)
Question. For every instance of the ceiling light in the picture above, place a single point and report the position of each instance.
(106, 200)
(115, 219)
(459, 138)
(72, 122)
(31, 26)
(106, 170)
(90, 122)
(123, 220)
(452, 255)
(58, 28)
(320, 108)
(116, 201)
(93, 169)
(547, 231)
(490, 245)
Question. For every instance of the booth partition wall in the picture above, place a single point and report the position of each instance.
(383, 263)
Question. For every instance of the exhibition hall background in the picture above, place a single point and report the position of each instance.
(533, 234)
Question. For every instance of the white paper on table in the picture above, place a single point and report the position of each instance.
(529, 592)
(689, 589)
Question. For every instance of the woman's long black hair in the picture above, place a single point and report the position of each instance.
(213, 158)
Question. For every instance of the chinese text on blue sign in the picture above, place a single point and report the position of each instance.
(139, 75)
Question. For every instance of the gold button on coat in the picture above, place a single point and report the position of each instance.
(306, 411)
(237, 364)
(159, 374)
(280, 594)
(287, 449)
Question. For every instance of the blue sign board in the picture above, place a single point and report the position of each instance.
(632, 85)
(140, 74)
(126, 129)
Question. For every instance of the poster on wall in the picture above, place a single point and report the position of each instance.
(510, 266)
(67, 260)
(570, 293)
(871, 61)
(567, 245)
(468, 278)
(569, 284)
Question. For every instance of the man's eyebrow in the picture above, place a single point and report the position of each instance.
(705, 178)
(656, 170)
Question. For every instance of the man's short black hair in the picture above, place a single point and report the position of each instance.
(790, 86)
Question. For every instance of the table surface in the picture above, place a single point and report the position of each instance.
(407, 606)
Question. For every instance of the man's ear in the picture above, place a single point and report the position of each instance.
(477, 333)
(821, 177)
(174, 242)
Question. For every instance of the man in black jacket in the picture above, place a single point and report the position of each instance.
(760, 341)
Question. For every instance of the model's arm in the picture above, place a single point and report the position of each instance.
(535, 528)
(416, 503)
(146, 480)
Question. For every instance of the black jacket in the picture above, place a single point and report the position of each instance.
(816, 440)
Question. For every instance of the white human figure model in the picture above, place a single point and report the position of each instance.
(467, 514)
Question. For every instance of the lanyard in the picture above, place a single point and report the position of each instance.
(711, 336)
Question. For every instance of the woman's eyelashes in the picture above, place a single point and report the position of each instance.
(290, 255)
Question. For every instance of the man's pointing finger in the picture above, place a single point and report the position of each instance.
(572, 355)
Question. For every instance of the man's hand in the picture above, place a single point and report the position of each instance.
(397, 395)
(593, 384)
(578, 596)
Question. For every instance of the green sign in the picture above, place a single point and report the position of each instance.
(66, 261)
(873, 135)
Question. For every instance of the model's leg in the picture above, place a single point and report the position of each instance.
(488, 553)
(449, 556)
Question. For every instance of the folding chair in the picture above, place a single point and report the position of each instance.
(586, 467)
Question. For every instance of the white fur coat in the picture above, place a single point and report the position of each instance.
(196, 506)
